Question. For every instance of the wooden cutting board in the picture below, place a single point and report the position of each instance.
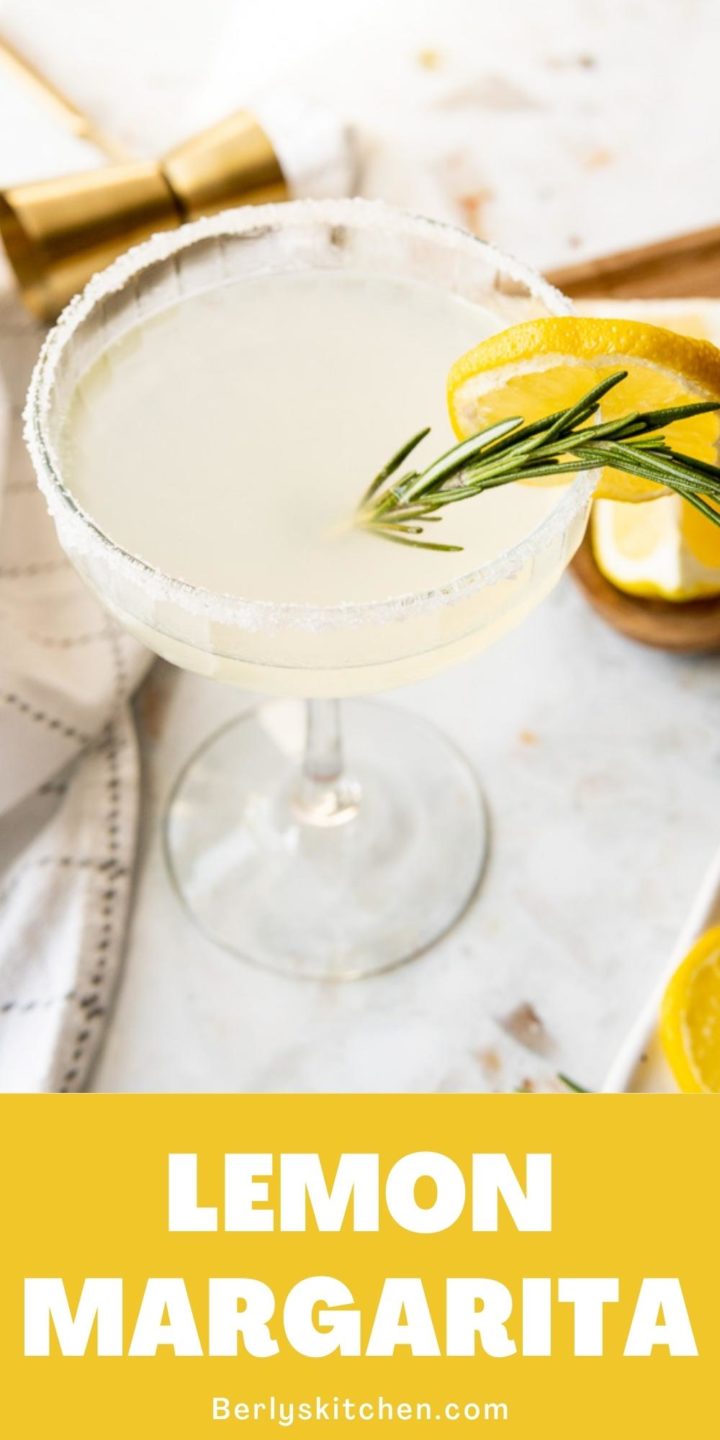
(682, 267)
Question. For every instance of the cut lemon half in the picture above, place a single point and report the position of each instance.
(546, 365)
(666, 550)
(690, 1018)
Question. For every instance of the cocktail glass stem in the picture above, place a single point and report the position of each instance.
(325, 794)
(305, 850)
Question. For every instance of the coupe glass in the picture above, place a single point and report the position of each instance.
(304, 840)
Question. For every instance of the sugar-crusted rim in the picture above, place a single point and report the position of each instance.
(83, 535)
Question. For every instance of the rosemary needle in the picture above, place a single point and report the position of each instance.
(559, 444)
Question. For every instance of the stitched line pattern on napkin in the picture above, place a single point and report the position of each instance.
(114, 639)
(53, 787)
(91, 1002)
(108, 867)
(40, 717)
(68, 642)
(22, 1006)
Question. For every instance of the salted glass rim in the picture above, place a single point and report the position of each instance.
(87, 537)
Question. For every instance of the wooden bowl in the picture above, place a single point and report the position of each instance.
(687, 626)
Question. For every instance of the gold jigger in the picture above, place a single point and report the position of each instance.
(57, 233)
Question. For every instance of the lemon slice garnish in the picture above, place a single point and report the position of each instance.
(666, 550)
(546, 365)
(690, 1018)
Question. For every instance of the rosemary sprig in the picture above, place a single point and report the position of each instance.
(559, 444)
(573, 1084)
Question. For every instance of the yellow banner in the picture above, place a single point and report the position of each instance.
(191, 1266)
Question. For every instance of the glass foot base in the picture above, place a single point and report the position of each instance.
(319, 889)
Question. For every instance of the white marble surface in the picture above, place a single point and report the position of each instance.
(553, 130)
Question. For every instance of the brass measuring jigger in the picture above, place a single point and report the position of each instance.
(57, 233)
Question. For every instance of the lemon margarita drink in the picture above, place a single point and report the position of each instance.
(225, 441)
(206, 420)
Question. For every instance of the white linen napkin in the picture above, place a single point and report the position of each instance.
(69, 779)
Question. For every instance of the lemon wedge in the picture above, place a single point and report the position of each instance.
(545, 365)
(666, 550)
(690, 1018)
